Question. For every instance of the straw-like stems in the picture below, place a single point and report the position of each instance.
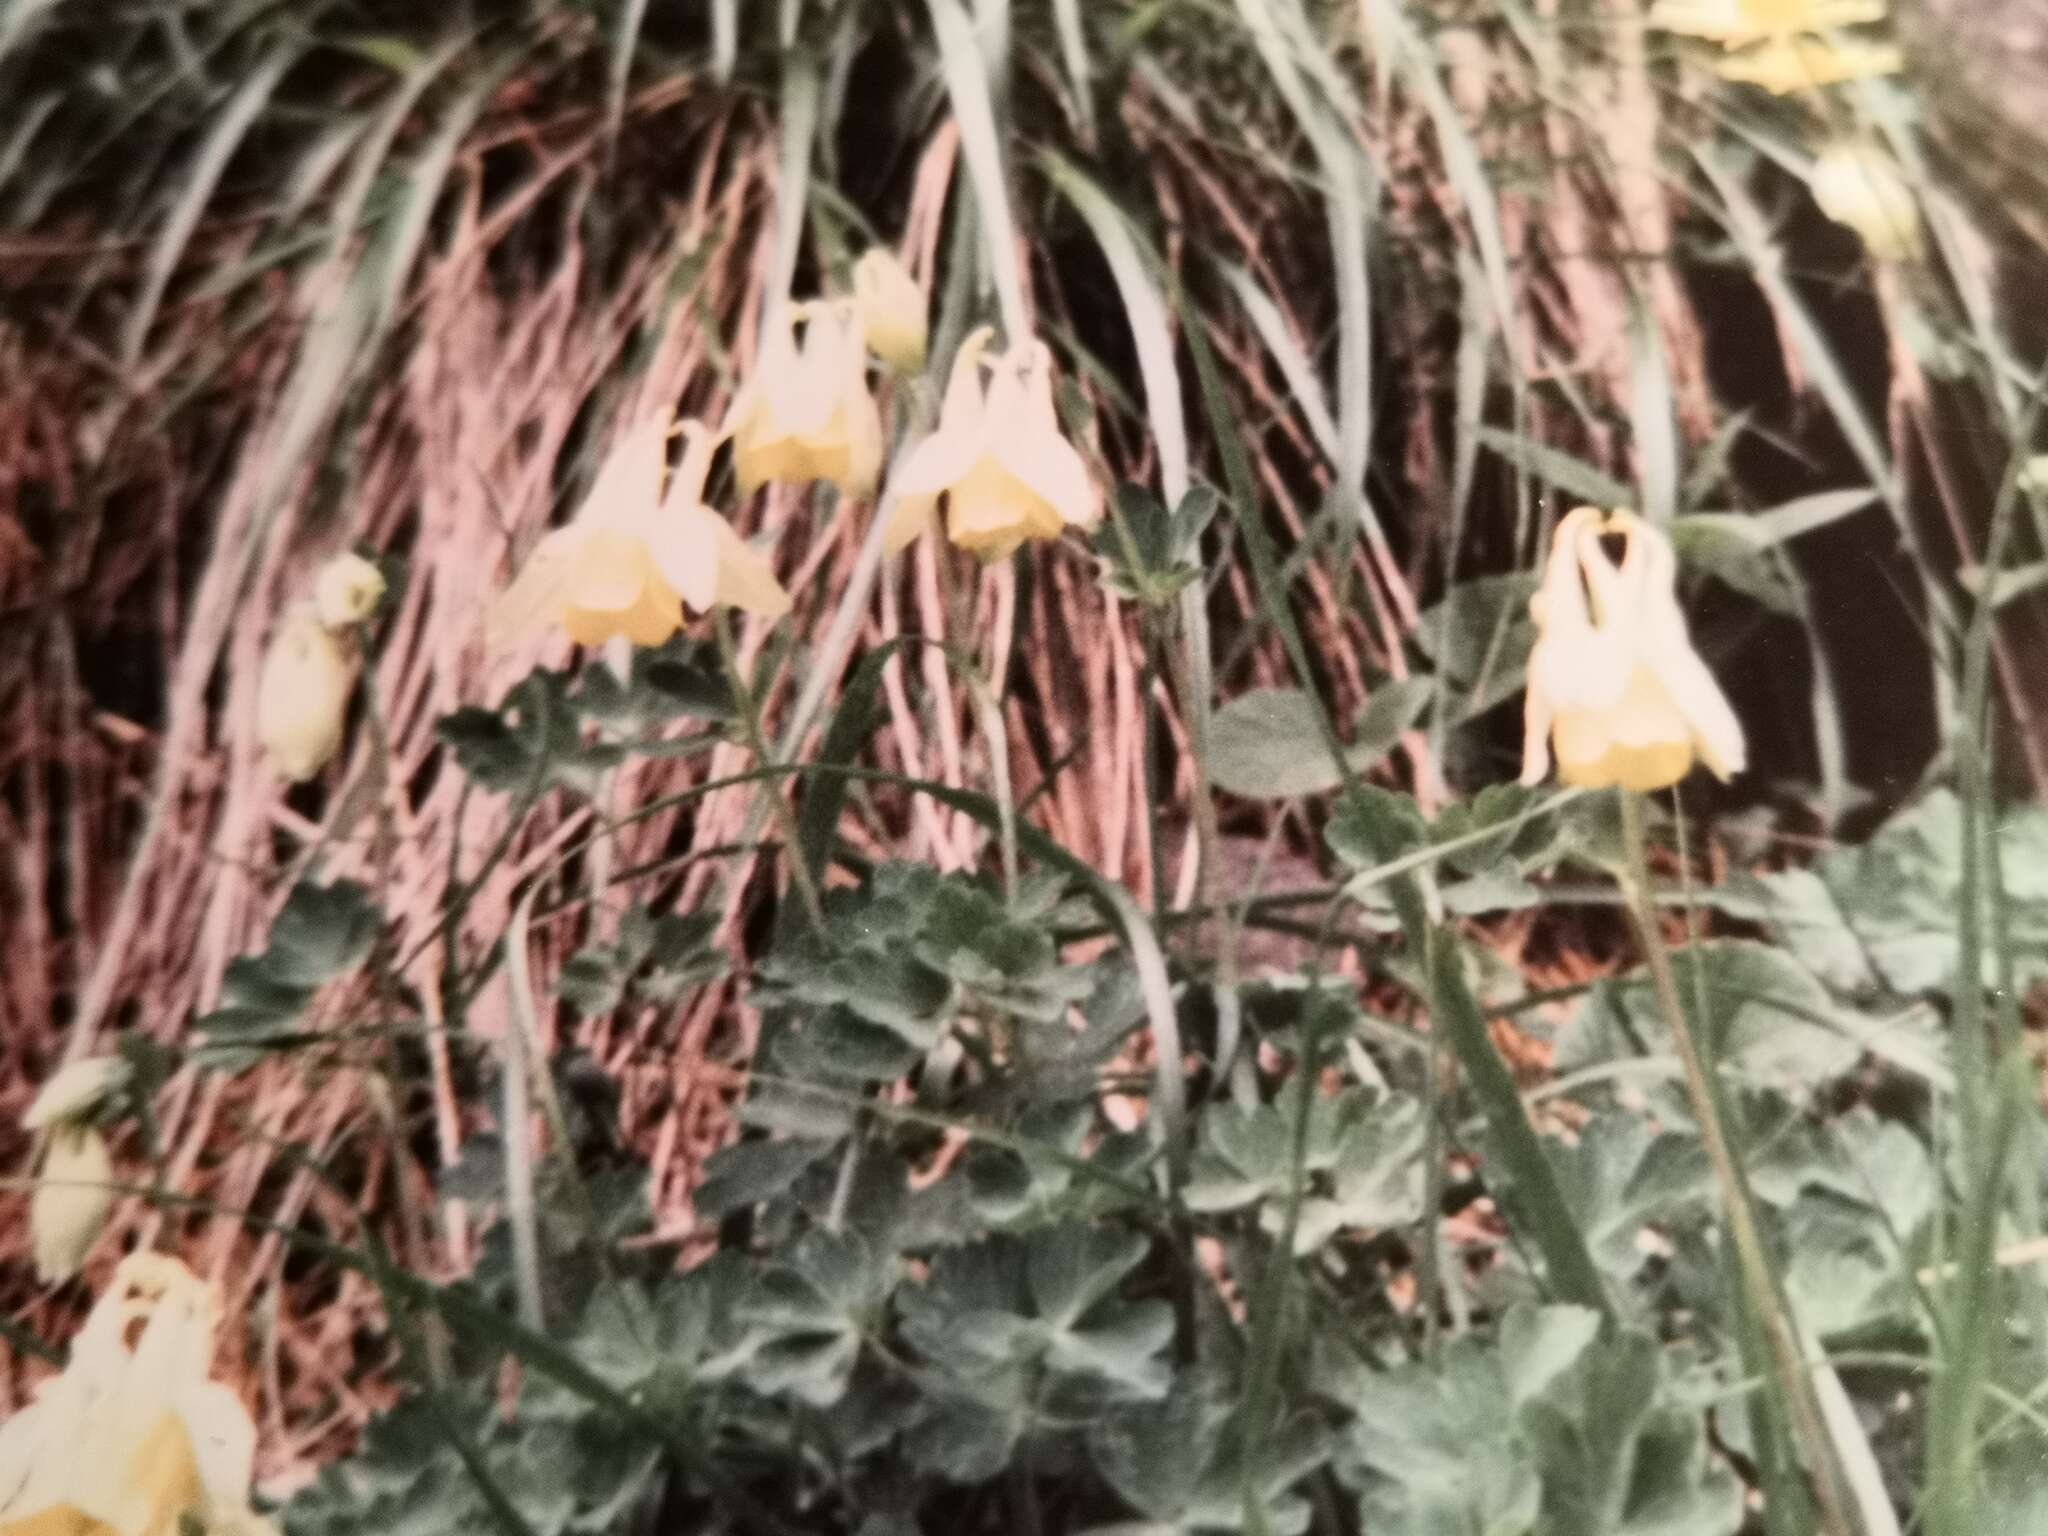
(1788, 1359)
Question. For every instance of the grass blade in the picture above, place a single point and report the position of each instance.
(967, 85)
(232, 126)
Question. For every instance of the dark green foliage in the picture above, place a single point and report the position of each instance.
(321, 934)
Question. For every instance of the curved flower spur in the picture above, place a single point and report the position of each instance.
(998, 458)
(1614, 683)
(633, 558)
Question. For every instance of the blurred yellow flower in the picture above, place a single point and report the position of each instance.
(630, 560)
(347, 590)
(1614, 683)
(998, 458)
(73, 1091)
(1806, 63)
(806, 414)
(1859, 185)
(302, 694)
(892, 310)
(74, 1191)
(1740, 23)
(133, 1439)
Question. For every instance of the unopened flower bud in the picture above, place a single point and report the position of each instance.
(347, 591)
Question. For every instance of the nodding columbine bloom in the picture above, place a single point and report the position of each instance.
(1614, 683)
(1806, 63)
(631, 559)
(1861, 186)
(806, 414)
(347, 590)
(133, 1438)
(892, 310)
(302, 694)
(998, 458)
(1742, 23)
(1785, 52)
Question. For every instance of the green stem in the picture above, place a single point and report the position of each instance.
(1788, 1358)
(757, 743)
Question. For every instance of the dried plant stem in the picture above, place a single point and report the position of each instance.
(1802, 1403)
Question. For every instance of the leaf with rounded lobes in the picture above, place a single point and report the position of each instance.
(1268, 744)
(1496, 825)
(1436, 1451)
(1478, 637)
(657, 956)
(1620, 1177)
(804, 1320)
(321, 934)
(679, 678)
(1557, 1428)
(743, 1175)
(1180, 1464)
(532, 741)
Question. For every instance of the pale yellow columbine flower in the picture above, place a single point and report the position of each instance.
(302, 694)
(347, 590)
(1741, 23)
(631, 559)
(1807, 63)
(998, 458)
(892, 310)
(1614, 683)
(133, 1439)
(1861, 186)
(806, 413)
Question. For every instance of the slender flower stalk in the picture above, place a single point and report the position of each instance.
(1767, 1302)
(772, 789)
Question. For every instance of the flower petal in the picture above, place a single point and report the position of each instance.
(608, 571)
(686, 553)
(535, 594)
(1698, 698)
(746, 576)
(908, 517)
(628, 485)
(1538, 714)
(892, 310)
(1038, 455)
